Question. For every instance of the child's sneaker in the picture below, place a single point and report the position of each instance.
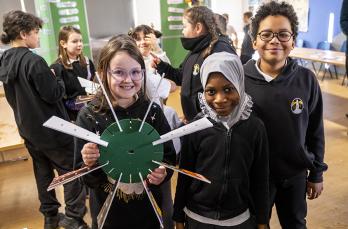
(72, 223)
(51, 222)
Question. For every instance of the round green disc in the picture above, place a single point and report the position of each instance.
(130, 151)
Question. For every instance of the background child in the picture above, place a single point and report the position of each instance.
(201, 39)
(35, 94)
(295, 131)
(247, 50)
(233, 155)
(122, 70)
(146, 41)
(71, 63)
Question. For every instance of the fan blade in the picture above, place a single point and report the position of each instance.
(107, 204)
(154, 205)
(184, 171)
(90, 86)
(70, 176)
(64, 126)
(195, 126)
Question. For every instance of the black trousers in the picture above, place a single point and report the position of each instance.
(193, 224)
(289, 197)
(44, 164)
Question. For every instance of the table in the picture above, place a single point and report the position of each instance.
(334, 58)
(9, 137)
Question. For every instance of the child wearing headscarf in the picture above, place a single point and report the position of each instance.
(233, 155)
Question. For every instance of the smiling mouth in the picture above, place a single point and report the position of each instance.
(127, 87)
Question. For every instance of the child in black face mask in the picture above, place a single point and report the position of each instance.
(200, 37)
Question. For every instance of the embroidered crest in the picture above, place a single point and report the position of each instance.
(296, 106)
(196, 69)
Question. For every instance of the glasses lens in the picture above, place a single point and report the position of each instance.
(284, 36)
(136, 74)
(266, 35)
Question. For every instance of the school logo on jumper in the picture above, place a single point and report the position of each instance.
(196, 69)
(296, 106)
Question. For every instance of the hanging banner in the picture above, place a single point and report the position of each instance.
(171, 28)
(58, 13)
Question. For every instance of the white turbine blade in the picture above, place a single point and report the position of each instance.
(70, 176)
(154, 205)
(153, 99)
(109, 101)
(107, 204)
(90, 86)
(195, 126)
(64, 126)
(184, 171)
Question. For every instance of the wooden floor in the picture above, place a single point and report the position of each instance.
(18, 196)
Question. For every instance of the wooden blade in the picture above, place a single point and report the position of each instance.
(153, 202)
(83, 99)
(107, 204)
(70, 176)
(184, 171)
(64, 126)
(195, 126)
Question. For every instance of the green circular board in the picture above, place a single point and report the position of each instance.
(130, 151)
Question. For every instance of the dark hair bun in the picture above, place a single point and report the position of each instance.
(5, 38)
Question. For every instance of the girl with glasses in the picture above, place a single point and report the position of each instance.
(288, 99)
(121, 68)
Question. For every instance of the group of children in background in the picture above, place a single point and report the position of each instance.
(255, 157)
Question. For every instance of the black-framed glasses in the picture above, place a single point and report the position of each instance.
(283, 36)
(135, 74)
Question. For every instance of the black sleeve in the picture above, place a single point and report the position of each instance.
(187, 161)
(344, 17)
(50, 87)
(259, 175)
(174, 74)
(315, 140)
(85, 120)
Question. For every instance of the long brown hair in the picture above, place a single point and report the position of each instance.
(116, 44)
(63, 57)
(202, 14)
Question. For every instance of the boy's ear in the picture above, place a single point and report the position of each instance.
(254, 44)
(22, 35)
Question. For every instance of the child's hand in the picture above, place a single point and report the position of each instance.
(157, 176)
(90, 154)
(314, 190)
(152, 41)
(156, 60)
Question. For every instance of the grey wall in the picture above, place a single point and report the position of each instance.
(8, 5)
(109, 17)
(106, 17)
